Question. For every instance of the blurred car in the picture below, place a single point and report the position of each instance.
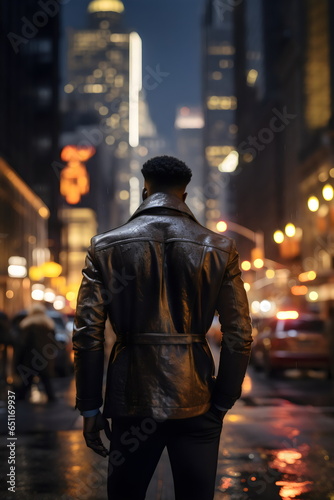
(291, 340)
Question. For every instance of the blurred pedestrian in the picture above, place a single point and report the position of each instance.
(5, 342)
(159, 278)
(16, 334)
(329, 329)
(38, 331)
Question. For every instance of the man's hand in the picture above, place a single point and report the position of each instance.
(91, 431)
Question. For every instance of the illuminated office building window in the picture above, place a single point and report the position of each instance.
(223, 49)
(317, 70)
(221, 102)
(226, 63)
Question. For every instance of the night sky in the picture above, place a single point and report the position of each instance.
(171, 35)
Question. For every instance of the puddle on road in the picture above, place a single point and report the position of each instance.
(296, 473)
(247, 476)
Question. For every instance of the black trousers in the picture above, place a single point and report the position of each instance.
(137, 444)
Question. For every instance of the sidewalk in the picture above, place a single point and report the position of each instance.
(52, 460)
(269, 447)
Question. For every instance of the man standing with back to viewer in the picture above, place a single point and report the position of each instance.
(160, 278)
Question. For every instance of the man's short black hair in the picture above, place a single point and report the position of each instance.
(166, 171)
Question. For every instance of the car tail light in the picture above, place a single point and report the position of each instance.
(287, 315)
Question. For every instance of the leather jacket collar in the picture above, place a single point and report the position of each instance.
(163, 200)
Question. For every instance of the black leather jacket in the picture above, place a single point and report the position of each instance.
(160, 278)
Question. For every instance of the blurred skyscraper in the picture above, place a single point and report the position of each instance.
(106, 109)
(98, 72)
(29, 130)
(29, 120)
(106, 117)
(285, 91)
(189, 145)
(219, 104)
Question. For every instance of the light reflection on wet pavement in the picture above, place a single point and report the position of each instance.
(271, 449)
(277, 453)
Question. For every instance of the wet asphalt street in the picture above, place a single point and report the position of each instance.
(277, 443)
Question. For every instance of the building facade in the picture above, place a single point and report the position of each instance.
(23, 239)
(107, 114)
(219, 105)
(106, 108)
(284, 181)
(29, 120)
(189, 125)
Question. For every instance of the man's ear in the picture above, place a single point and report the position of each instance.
(184, 196)
(144, 194)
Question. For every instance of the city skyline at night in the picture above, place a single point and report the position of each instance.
(167, 249)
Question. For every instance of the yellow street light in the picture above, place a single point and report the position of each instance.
(270, 274)
(71, 295)
(246, 265)
(313, 203)
(278, 237)
(230, 163)
(51, 269)
(290, 230)
(313, 296)
(221, 226)
(36, 273)
(258, 263)
(124, 194)
(44, 212)
(307, 276)
(328, 192)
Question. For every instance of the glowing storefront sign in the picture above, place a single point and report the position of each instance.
(74, 178)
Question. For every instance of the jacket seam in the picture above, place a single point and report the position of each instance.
(200, 268)
(233, 287)
(164, 407)
(144, 211)
(148, 239)
(226, 269)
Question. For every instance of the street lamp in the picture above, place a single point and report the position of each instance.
(290, 230)
(258, 263)
(246, 265)
(313, 203)
(256, 237)
(328, 192)
(17, 267)
(278, 237)
(270, 274)
(221, 226)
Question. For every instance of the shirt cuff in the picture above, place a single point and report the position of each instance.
(90, 413)
(221, 408)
